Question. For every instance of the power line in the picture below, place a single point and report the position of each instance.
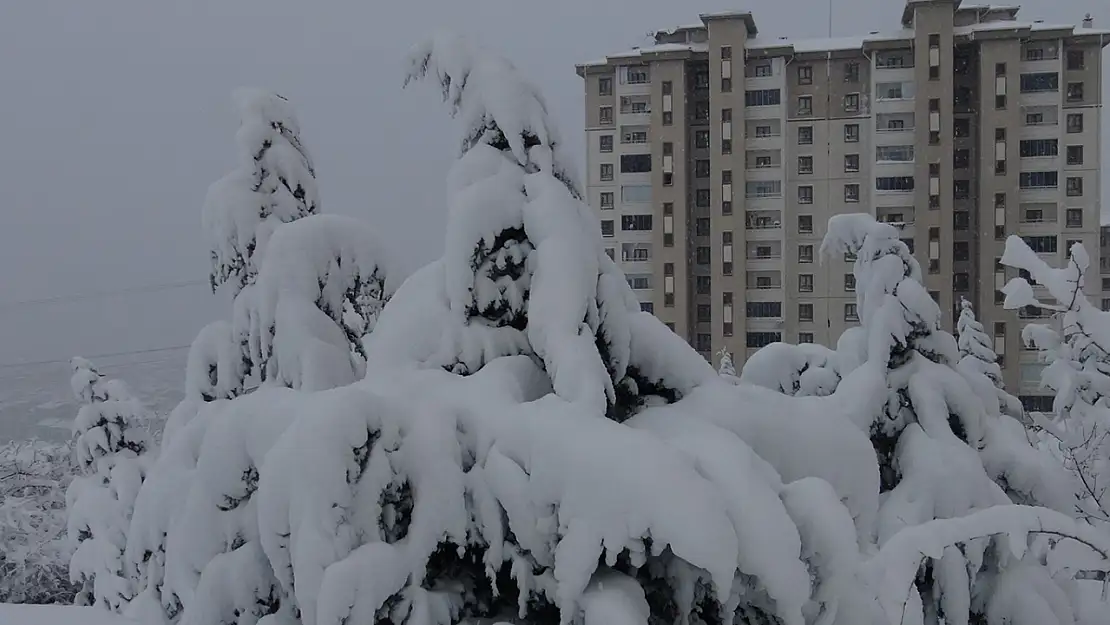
(150, 288)
(36, 363)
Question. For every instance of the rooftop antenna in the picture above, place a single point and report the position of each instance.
(830, 18)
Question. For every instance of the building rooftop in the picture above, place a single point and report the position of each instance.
(803, 45)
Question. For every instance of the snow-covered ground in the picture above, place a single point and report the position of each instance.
(58, 615)
(35, 401)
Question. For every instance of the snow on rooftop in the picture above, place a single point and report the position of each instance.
(809, 45)
(655, 49)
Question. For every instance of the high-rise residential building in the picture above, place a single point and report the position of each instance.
(717, 155)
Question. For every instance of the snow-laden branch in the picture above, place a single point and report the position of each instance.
(895, 566)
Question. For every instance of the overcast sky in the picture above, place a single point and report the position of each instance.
(115, 116)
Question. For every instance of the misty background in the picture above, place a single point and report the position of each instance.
(115, 116)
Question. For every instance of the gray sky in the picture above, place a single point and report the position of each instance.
(115, 116)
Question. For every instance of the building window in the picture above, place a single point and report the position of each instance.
(636, 222)
(636, 194)
(606, 200)
(702, 285)
(1039, 82)
(851, 72)
(805, 337)
(647, 307)
(701, 227)
(894, 183)
(762, 97)
(605, 85)
(894, 153)
(668, 118)
(1074, 218)
(606, 172)
(635, 163)
(701, 139)
(606, 227)
(701, 255)
(1074, 186)
(805, 135)
(1075, 92)
(605, 115)
(961, 282)
(805, 253)
(1075, 122)
(805, 224)
(726, 85)
(961, 250)
(764, 310)
(961, 220)
(761, 339)
(851, 163)
(851, 103)
(850, 312)
(805, 164)
(999, 134)
(1046, 244)
(1000, 102)
(1075, 155)
(762, 70)
(637, 75)
(850, 282)
(726, 146)
(605, 143)
(805, 312)
(961, 189)
(805, 105)
(705, 313)
(851, 193)
(704, 342)
(701, 168)
(961, 159)
(726, 52)
(1039, 148)
(1075, 60)
(805, 74)
(851, 133)
(805, 283)
(1038, 180)
(611, 253)
(702, 198)
(805, 194)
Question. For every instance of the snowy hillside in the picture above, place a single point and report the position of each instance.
(35, 401)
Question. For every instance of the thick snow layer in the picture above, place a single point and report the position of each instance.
(274, 183)
(11, 614)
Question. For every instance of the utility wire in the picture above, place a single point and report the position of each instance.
(93, 356)
(150, 288)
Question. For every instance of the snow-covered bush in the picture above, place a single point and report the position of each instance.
(274, 183)
(527, 446)
(109, 447)
(34, 550)
(321, 288)
(802, 370)
(1077, 358)
(944, 450)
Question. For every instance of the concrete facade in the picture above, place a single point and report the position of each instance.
(963, 127)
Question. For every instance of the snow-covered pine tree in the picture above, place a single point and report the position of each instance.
(978, 360)
(109, 447)
(1077, 357)
(726, 368)
(274, 183)
(523, 270)
(321, 288)
(942, 453)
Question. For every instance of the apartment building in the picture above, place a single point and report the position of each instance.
(717, 155)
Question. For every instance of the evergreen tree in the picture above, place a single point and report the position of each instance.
(524, 272)
(1077, 357)
(978, 360)
(110, 442)
(942, 453)
(726, 367)
(274, 183)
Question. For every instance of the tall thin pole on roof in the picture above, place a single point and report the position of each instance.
(830, 18)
